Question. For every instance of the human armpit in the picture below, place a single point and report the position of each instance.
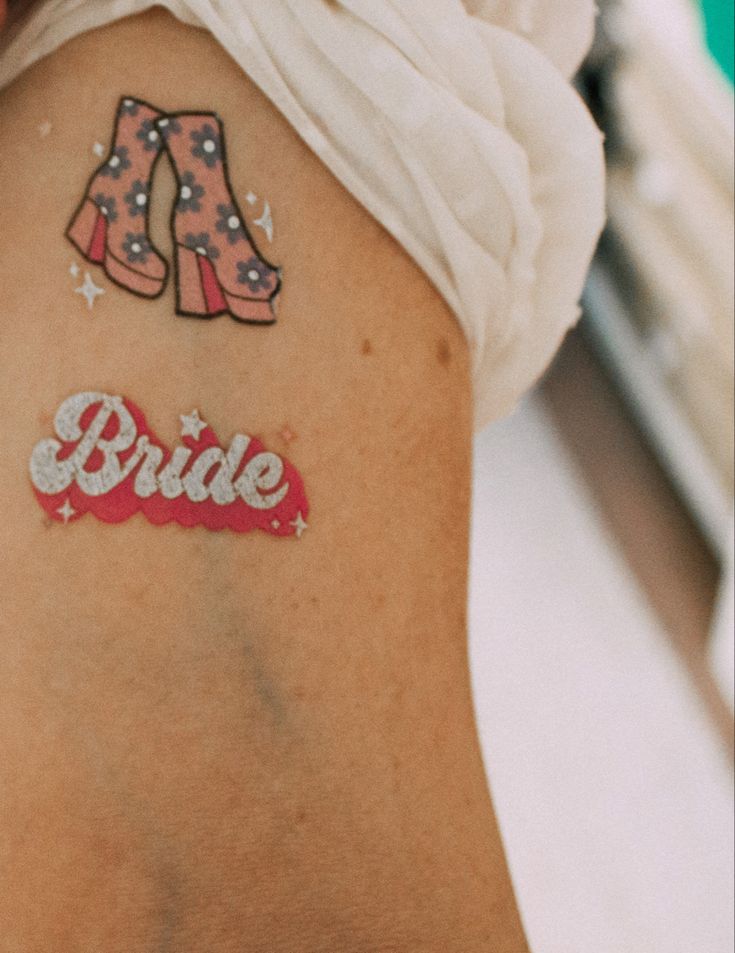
(228, 725)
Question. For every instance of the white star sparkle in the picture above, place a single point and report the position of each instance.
(251, 198)
(192, 425)
(266, 222)
(98, 149)
(66, 511)
(89, 290)
(74, 269)
(300, 525)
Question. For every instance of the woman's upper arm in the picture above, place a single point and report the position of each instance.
(212, 709)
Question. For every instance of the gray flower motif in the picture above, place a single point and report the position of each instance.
(137, 247)
(168, 126)
(107, 206)
(207, 146)
(254, 274)
(129, 107)
(137, 198)
(201, 244)
(149, 136)
(117, 163)
(190, 192)
(230, 223)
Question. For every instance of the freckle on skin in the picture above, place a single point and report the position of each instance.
(366, 348)
(444, 352)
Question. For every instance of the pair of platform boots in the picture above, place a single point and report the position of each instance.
(218, 269)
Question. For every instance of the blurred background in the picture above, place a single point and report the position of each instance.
(602, 585)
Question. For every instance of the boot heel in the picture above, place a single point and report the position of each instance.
(88, 232)
(197, 288)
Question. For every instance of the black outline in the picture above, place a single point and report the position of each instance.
(86, 196)
(172, 218)
(205, 114)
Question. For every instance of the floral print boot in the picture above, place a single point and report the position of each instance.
(218, 268)
(110, 227)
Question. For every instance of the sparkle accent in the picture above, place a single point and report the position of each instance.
(251, 198)
(300, 525)
(276, 524)
(66, 511)
(192, 425)
(44, 129)
(98, 149)
(287, 435)
(74, 269)
(89, 290)
(266, 222)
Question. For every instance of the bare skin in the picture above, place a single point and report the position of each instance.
(219, 742)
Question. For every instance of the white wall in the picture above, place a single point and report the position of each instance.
(613, 793)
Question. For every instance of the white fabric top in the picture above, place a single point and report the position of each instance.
(452, 121)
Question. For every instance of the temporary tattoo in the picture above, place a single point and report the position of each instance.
(219, 269)
(218, 266)
(105, 460)
(287, 435)
(266, 222)
(107, 229)
(89, 290)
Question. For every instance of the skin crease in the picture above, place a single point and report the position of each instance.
(219, 742)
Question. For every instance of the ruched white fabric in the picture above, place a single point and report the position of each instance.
(453, 123)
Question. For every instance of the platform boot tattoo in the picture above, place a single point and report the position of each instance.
(110, 226)
(218, 267)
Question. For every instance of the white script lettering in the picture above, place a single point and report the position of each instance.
(211, 472)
